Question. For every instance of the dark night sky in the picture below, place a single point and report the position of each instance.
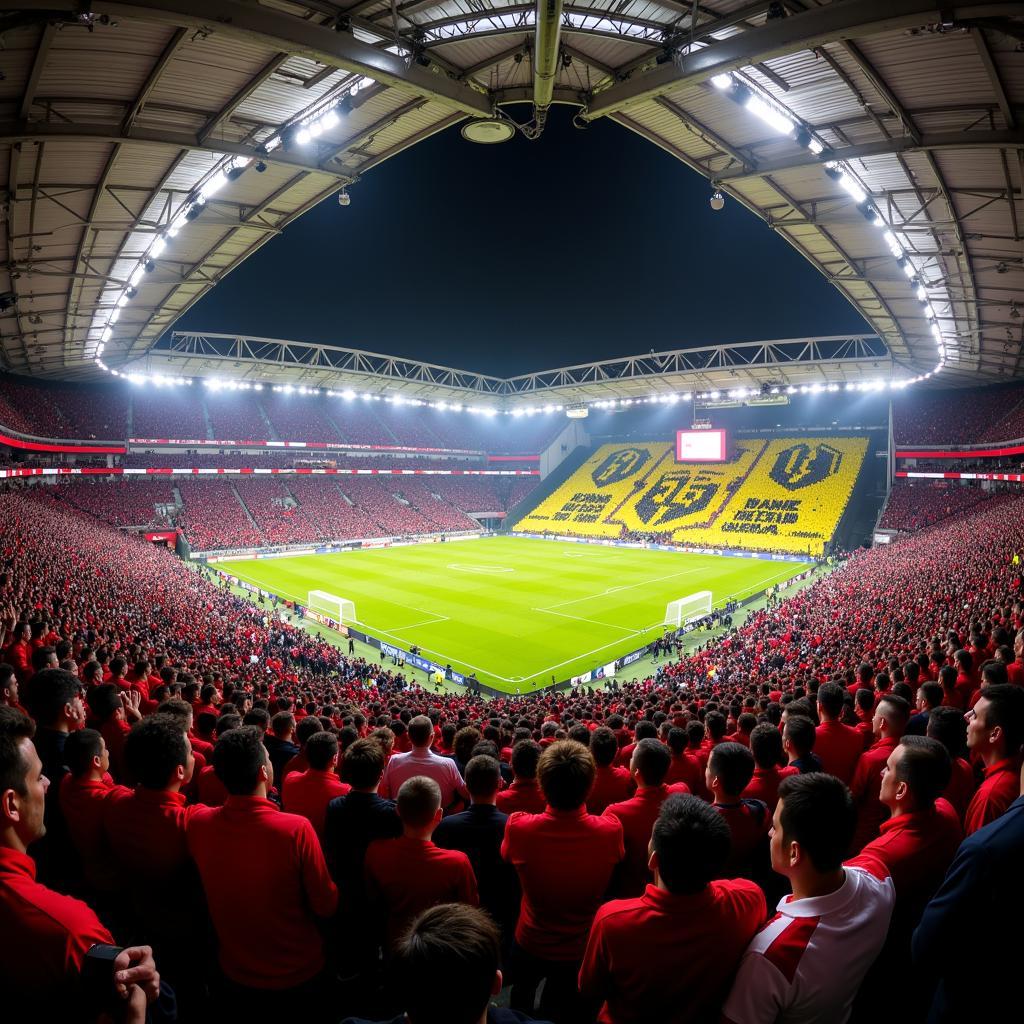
(503, 259)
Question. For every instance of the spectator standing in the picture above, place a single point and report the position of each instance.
(995, 732)
(421, 760)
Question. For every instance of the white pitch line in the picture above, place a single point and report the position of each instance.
(616, 590)
(594, 622)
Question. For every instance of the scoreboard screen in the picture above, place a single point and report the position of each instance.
(700, 446)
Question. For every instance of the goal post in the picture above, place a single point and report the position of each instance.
(685, 609)
(340, 609)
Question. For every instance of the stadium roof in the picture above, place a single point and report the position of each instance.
(881, 138)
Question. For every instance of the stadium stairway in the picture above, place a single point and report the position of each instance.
(271, 430)
(207, 423)
(551, 483)
(245, 508)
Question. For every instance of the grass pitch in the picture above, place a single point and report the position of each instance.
(516, 611)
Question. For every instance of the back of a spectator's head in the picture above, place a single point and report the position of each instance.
(566, 773)
(363, 764)
(419, 802)
(800, 733)
(814, 823)
(241, 762)
(923, 765)
(465, 740)
(864, 699)
(104, 702)
(831, 697)
(483, 777)
(695, 733)
(44, 657)
(307, 728)
(651, 761)
(715, 723)
(178, 709)
(677, 741)
(257, 717)
(766, 746)
(604, 746)
(84, 751)
(645, 730)
(525, 755)
(321, 750)
(156, 753)
(455, 949)
(730, 769)
(50, 697)
(947, 725)
(931, 693)
(746, 723)
(894, 712)
(421, 731)
(283, 724)
(691, 841)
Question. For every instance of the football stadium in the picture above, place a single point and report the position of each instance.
(511, 511)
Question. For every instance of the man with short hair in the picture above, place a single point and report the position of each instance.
(729, 771)
(837, 746)
(948, 726)
(612, 783)
(995, 733)
(929, 697)
(808, 961)
(565, 858)
(671, 954)
(478, 832)
(270, 948)
(770, 766)
(524, 793)
(648, 766)
(280, 743)
(888, 724)
(410, 874)
(308, 793)
(456, 948)
(684, 767)
(47, 938)
(798, 739)
(421, 760)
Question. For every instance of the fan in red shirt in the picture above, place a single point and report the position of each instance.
(838, 746)
(46, 937)
(611, 783)
(770, 766)
(645, 730)
(684, 767)
(917, 845)
(267, 885)
(888, 724)
(109, 712)
(995, 734)
(729, 771)
(524, 794)
(565, 858)
(83, 795)
(948, 726)
(410, 874)
(670, 955)
(648, 767)
(308, 793)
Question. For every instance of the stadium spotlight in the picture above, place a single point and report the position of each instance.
(131, 291)
(260, 166)
(234, 173)
(344, 199)
(717, 200)
(149, 266)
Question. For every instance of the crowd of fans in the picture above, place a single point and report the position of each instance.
(120, 502)
(212, 517)
(610, 855)
(961, 416)
(915, 505)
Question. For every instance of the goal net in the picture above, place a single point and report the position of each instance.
(685, 609)
(340, 609)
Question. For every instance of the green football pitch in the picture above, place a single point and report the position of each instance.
(515, 611)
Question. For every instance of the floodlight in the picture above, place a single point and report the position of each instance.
(717, 200)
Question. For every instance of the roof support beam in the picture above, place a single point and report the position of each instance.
(154, 76)
(42, 52)
(240, 97)
(1011, 139)
(806, 30)
(253, 23)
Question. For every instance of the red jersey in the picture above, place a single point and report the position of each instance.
(248, 847)
(611, 785)
(406, 876)
(764, 786)
(669, 957)
(961, 787)
(749, 822)
(638, 815)
(44, 935)
(1000, 787)
(82, 803)
(308, 793)
(522, 795)
(684, 768)
(866, 786)
(839, 747)
(565, 861)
